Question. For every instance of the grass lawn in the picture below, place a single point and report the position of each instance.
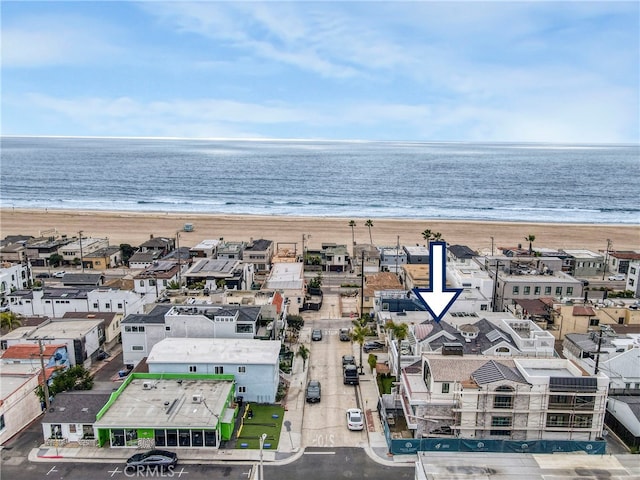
(262, 422)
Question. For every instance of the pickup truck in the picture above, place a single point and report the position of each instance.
(350, 375)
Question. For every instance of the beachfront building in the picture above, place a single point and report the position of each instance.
(371, 256)
(38, 250)
(584, 263)
(633, 279)
(502, 398)
(153, 281)
(168, 411)
(330, 258)
(74, 251)
(103, 258)
(253, 363)
(19, 406)
(158, 246)
(619, 261)
(461, 254)
(259, 254)
(207, 248)
(529, 278)
(231, 250)
(392, 258)
(220, 273)
(13, 276)
(417, 255)
(55, 302)
(288, 280)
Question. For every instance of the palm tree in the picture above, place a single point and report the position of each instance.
(352, 224)
(430, 236)
(400, 332)
(10, 320)
(358, 334)
(369, 224)
(530, 239)
(303, 352)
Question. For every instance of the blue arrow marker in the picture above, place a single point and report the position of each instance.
(436, 298)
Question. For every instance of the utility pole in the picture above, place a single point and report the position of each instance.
(495, 288)
(179, 263)
(81, 260)
(45, 385)
(492, 246)
(606, 259)
(397, 252)
(595, 370)
(362, 285)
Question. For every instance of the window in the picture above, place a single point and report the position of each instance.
(119, 306)
(117, 437)
(594, 322)
(503, 397)
(142, 283)
(516, 290)
(167, 328)
(242, 369)
(87, 432)
(500, 422)
(56, 430)
(547, 290)
(193, 368)
(445, 388)
(72, 428)
(242, 389)
(569, 290)
(2, 424)
(219, 370)
(582, 421)
(483, 307)
(558, 420)
(107, 305)
(137, 348)
(527, 290)
(96, 306)
(244, 328)
(536, 290)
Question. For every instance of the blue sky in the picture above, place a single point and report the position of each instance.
(566, 72)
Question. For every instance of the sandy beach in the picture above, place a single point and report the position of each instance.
(136, 227)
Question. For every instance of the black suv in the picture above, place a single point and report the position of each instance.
(372, 345)
(313, 391)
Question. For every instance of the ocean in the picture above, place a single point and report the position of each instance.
(351, 179)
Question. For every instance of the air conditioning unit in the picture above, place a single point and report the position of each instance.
(147, 385)
(197, 398)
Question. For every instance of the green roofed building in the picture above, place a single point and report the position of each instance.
(169, 410)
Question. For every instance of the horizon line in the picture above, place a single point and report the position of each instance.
(272, 139)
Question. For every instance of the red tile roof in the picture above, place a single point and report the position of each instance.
(583, 311)
(29, 350)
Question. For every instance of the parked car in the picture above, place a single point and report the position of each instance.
(354, 419)
(43, 275)
(103, 355)
(59, 274)
(153, 458)
(313, 391)
(316, 335)
(617, 277)
(372, 345)
(348, 360)
(344, 335)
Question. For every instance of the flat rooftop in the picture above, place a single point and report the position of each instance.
(168, 403)
(235, 351)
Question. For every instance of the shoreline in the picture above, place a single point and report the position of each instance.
(135, 227)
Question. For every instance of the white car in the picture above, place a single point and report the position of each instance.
(618, 277)
(59, 274)
(354, 419)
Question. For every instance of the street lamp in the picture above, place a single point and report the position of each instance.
(263, 437)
